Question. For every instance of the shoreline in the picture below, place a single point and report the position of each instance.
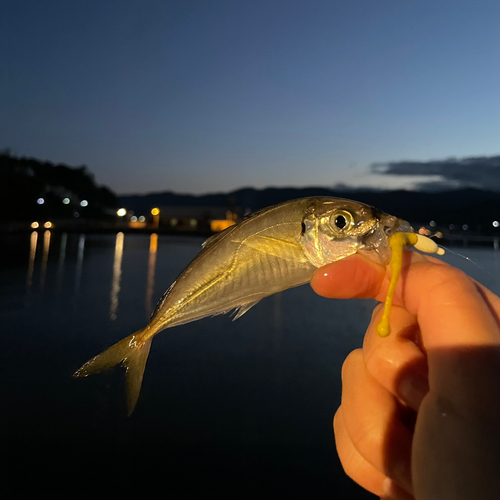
(453, 240)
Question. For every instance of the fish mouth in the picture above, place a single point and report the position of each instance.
(376, 242)
(389, 225)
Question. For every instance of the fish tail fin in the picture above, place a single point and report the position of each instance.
(133, 353)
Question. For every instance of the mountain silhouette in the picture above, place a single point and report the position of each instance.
(474, 207)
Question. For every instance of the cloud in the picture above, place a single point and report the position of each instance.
(482, 172)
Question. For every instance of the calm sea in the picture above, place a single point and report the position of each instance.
(228, 409)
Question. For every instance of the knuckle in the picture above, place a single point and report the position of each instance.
(350, 466)
(366, 438)
(351, 361)
(373, 359)
(377, 310)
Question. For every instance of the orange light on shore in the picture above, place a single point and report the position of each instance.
(35, 225)
(47, 225)
(218, 225)
(155, 211)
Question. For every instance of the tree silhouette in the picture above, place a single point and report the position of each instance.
(25, 180)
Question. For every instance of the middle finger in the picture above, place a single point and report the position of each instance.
(397, 362)
(371, 415)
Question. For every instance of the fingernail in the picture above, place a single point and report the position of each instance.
(413, 389)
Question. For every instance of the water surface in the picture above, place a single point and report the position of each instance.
(235, 409)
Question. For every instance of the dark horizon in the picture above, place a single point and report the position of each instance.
(451, 174)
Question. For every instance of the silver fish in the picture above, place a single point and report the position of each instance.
(272, 250)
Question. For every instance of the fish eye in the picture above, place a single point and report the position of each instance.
(341, 220)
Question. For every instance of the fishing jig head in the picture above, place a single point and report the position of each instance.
(397, 243)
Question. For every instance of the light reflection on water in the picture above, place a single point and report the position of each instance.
(153, 248)
(60, 265)
(117, 273)
(79, 264)
(114, 295)
(45, 257)
(31, 264)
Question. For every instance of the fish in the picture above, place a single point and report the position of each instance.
(269, 251)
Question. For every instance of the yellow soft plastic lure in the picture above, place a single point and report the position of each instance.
(397, 242)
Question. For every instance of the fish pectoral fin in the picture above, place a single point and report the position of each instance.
(241, 310)
(132, 352)
(283, 249)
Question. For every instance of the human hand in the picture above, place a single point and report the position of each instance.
(441, 363)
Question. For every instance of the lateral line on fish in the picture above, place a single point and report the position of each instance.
(205, 286)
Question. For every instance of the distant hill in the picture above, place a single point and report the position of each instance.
(476, 208)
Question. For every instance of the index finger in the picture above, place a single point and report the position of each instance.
(457, 321)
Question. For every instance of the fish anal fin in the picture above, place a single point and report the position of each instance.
(241, 310)
(277, 247)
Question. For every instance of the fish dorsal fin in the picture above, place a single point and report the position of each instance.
(216, 237)
(283, 249)
(241, 310)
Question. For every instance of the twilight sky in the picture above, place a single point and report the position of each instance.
(205, 96)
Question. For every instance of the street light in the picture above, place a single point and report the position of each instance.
(121, 212)
(155, 212)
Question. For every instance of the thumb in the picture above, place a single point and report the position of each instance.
(354, 277)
